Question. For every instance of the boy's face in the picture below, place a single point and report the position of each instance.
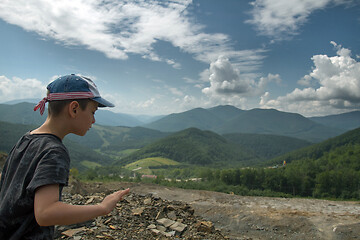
(86, 118)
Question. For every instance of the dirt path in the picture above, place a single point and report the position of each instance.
(242, 217)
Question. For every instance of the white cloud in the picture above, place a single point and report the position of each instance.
(281, 19)
(17, 88)
(226, 80)
(175, 91)
(119, 28)
(338, 81)
(230, 86)
(147, 103)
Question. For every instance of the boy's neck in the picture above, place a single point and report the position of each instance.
(52, 126)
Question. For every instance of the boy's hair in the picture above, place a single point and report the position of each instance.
(56, 107)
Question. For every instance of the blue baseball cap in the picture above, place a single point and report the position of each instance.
(72, 87)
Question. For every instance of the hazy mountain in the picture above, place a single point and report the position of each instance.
(147, 118)
(109, 118)
(226, 112)
(271, 121)
(28, 100)
(228, 119)
(198, 118)
(346, 121)
(24, 113)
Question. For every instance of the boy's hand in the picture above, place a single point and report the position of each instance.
(110, 201)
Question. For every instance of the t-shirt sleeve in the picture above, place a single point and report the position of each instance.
(52, 168)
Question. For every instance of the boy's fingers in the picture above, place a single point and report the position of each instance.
(123, 192)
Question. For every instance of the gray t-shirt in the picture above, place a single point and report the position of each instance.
(36, 160)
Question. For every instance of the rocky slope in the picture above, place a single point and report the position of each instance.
(151, 211)
(137, 216)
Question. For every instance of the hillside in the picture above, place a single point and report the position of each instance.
(318, 150)
(113, 140)
(194, 146)
(330, 169)
(346, 121)
(327, 169)
(266, 146)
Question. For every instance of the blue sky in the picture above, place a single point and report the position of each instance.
(160, 57)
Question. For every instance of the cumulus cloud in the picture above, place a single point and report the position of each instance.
(17, 88)
(175, 91)
(338, 81)
(226, 82)
(281, 19)
(119, 28)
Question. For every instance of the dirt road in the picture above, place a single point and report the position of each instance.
(242, 217)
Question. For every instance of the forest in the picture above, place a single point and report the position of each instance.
(328, 170)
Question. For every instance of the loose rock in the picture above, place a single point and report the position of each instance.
(138, 217)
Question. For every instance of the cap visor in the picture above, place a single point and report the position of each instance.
(102, 102)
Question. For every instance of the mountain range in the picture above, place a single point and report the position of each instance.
(229, 119)
(346, 121)
(23, 113)
(221, 119)
(218, 136)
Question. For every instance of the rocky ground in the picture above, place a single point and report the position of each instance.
(157, 212)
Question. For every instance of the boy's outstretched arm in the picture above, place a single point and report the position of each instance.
(50, 211)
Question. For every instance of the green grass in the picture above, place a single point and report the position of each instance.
(90, 164)
(116, 155)
(143, 164)
(127, 152)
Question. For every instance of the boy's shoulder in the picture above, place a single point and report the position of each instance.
(42, 142)
(41, 137)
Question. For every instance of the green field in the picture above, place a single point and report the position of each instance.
(143, 165)
(90, 164)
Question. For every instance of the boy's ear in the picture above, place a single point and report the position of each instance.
(73, 108)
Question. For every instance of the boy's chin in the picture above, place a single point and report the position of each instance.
(81, 134)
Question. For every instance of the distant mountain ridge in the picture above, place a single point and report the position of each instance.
(221, 119)
(347, 121)
(23, 113)
(229, 119)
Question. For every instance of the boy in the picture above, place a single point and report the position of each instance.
(37, 167)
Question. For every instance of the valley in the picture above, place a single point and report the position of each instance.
(257, 155)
